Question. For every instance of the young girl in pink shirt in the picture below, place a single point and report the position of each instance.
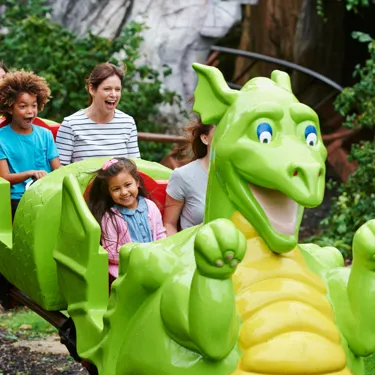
(118, 202)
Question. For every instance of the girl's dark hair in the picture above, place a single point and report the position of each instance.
(100, 201)
(194, 130)
(101, 72)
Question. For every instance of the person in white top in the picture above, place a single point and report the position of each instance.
(186, 190)
(100, 129)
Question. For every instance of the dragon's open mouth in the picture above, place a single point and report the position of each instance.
(281, 210)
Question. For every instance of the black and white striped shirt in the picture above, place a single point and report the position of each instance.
(80, 138)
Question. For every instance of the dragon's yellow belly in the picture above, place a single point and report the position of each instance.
(288, 323)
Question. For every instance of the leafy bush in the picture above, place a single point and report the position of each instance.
(357, 103)
(351, 5)
(33, 42)
(355, 203)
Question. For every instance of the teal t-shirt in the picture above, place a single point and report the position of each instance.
(25, 152)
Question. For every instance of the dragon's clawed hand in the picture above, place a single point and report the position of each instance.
(364, 244)
(219, 247)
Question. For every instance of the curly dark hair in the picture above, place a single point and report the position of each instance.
(4, 67)
(18, 82)
(101, 72)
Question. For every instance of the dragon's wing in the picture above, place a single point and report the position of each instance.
(82, 266)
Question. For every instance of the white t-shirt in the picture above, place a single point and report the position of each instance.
(189, 184)
(80, 138)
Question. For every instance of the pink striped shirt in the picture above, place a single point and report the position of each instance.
(115, 233)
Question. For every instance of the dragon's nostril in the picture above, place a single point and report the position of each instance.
(320, 173)
(295, 173)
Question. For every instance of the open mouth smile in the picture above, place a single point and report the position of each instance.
(28, 120)
(111, 103)
(280, 210)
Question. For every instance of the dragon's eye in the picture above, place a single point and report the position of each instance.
(264, 132)
(310, 135)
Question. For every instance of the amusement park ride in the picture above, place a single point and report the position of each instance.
(236, 295)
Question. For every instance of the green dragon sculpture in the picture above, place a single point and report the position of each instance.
(236, 295)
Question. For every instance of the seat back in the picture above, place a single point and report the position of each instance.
(155, 188)
(53, 127)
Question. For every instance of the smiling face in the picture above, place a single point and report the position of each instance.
(273, 164)
(267, 157)
(123, 190)
(24, 112)
(107, 95)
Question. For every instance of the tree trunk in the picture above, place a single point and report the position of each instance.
(319, 45)
(267, 28)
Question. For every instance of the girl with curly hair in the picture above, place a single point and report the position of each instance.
(26, 151)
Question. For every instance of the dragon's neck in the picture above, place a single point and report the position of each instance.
(218, 205)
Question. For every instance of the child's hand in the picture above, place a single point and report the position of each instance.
(37, 174)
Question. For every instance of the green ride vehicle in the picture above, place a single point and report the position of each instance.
(236, 295)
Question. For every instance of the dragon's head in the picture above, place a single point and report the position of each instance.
(267, 152)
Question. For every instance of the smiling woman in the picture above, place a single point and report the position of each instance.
(100, 129)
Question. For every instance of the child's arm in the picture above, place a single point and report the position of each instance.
(52, 153)
(160, 230)
(156, 221)
(55, 163)
(113, 236)
(16, 178)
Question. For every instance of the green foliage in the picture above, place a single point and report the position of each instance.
(351, 5)
(370, 365)
(357, 103)
(33, 42)
(355, 203)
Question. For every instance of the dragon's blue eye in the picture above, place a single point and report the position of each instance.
(310, 135)
(264, 132)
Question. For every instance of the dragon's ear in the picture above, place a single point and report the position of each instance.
(212, 94)
(282, 79)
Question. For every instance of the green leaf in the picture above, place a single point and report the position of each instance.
(361, 37)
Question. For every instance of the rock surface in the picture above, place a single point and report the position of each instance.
(179, 32)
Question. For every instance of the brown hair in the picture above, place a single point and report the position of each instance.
(15, 83)
(100, 201)
(194, 131)
(195, 148)
(4, 67)
(100, 73)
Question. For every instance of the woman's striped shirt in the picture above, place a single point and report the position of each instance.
(80, 138)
